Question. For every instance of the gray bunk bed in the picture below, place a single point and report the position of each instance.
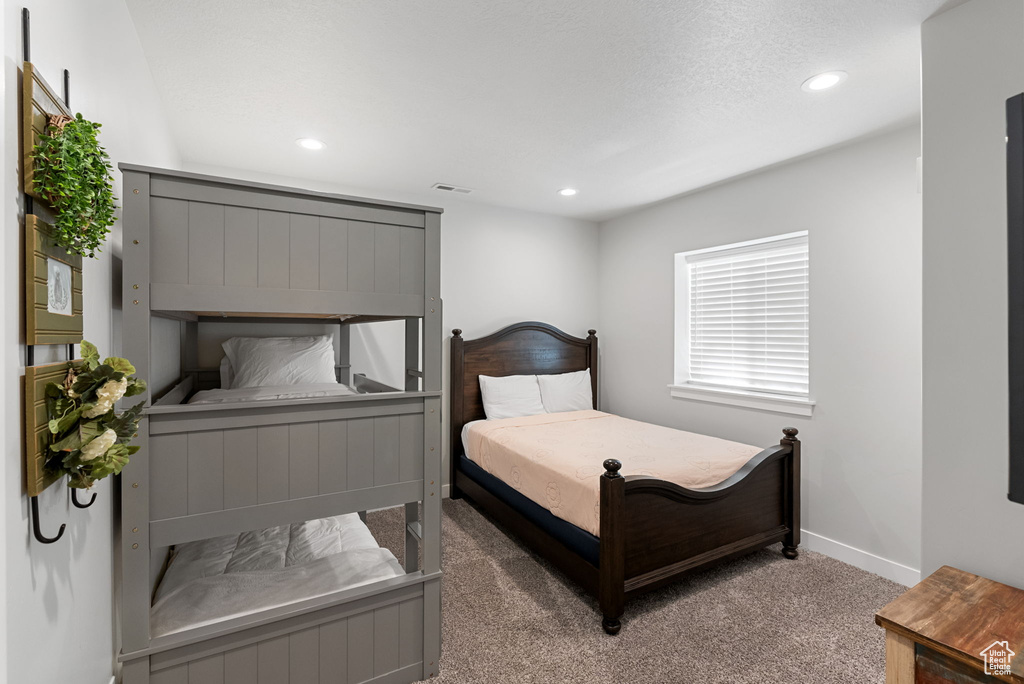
(200, 249)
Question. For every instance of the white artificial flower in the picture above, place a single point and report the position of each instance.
(99, 445)
(113, 390)
(108, 395)
(98, 409)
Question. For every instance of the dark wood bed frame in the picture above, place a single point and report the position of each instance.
(652, 531)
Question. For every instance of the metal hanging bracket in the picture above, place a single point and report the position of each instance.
(40, 537)
(79, 504)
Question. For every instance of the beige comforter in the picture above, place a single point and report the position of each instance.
(556, 459)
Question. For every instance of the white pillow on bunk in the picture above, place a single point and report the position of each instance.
(267, 361)
(512, 396)
(566, 391)
(226, 376)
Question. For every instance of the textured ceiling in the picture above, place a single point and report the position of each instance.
(629, 101)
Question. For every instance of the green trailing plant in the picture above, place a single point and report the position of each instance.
(73, 174)
(88, 439)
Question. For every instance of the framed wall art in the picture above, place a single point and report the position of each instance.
(39, 103)
(37, 433)
(53, 288)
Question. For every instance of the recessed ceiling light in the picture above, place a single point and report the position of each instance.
(567, 192)
(829, 79)
(310, 143)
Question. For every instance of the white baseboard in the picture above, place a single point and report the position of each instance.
(445, 491)
(860, 559)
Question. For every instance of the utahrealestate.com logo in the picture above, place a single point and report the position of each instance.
(997, 658)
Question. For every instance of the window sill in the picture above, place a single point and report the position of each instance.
(776, 403)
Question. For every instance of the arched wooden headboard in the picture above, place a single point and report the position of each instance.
(528, 348)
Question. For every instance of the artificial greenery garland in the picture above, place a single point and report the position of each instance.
(89, 441)
(73, 174)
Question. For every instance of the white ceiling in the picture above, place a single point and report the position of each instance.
(629, 101)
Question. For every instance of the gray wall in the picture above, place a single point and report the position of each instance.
(378, 350)
(62, 593)
(165, 368)
(973, 59)
(862, 456)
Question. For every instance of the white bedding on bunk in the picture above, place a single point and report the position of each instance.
(224, 577)
(266, 361)
(271, 393)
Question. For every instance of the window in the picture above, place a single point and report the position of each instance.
(742, 334)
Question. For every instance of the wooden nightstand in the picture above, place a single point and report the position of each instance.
(954, 627)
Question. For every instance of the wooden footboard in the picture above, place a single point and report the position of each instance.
(653, 531)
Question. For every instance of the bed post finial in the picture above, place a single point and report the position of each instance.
(592, 332)
(457, 332)
(791, 505)
(611, 582)
(611, 468)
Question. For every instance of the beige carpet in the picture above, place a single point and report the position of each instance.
(509, 617)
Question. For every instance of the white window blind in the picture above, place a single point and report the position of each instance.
(748, 316)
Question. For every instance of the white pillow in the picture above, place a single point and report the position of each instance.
(267, 361)
(226, 376)
(566, 391)
(512, 396)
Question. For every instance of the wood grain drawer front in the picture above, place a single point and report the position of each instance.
(935, 668)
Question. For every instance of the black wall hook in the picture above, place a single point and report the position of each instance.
(35, 525)
(79, 504)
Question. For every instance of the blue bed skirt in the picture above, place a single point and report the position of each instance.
(577, 540)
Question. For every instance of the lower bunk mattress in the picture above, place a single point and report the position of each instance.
(225, 577)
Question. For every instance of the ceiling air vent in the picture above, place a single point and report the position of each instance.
(448, 187)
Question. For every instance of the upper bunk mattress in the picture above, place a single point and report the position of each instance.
(224, 577)
(271, 393)
(556, 459)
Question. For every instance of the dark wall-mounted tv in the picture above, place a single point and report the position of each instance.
(1015, 277)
